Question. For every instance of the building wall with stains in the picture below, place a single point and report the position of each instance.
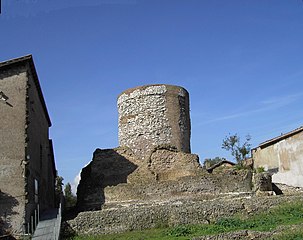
(27, 169)
(13, 83)
(284, 159)
(40, 170)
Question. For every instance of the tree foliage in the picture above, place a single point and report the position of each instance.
(58, 189)
(59, 184)
(239, 151)
(70, 198)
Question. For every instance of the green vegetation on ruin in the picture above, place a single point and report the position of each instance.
(285, 216)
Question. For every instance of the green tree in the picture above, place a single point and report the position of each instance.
(239, 151)
(70, 199)
(58, 189)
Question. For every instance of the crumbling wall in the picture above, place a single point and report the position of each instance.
(120, 167)
(109, 167)
(154, 115)
(154, 160)
(262, 183)
(165, 163)
(170, 165)
(114, 176)
(202, 185)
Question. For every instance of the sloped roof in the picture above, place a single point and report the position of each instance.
(210, 170)
(23, 60)
(280, 138)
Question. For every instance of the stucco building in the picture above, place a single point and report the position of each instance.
(27, 166)
(283, 157)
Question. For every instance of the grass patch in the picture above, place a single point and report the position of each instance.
(293, 234)
(260, 170)
(180, 231)
(286, 214)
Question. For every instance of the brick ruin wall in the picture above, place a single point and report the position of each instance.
(154, 115)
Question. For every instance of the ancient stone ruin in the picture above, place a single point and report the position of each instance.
(153, 161)
(154, 139)
(152, 179)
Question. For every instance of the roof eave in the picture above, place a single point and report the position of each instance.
(279, 138)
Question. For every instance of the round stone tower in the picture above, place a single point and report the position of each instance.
(152, 116)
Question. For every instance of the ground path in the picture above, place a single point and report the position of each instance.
(46, 228)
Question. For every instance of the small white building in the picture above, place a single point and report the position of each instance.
(283, 157)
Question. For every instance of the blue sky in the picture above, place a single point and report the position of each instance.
(240, 60)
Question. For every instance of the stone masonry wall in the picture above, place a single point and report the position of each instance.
(154, 115)
(203, 185)
(170, 213)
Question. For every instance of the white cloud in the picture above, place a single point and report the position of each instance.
(278, 102)
(75, 183)
(265, 105)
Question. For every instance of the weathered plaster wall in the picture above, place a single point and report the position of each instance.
(25, 152)
(285, 158)
(154, 115)
(12, 147)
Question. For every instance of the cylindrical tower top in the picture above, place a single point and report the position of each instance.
(154, 115)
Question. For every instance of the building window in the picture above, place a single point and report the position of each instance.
(36, 190)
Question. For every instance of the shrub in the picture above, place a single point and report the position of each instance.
(260, 170)
(180, 231)
(229, 222)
